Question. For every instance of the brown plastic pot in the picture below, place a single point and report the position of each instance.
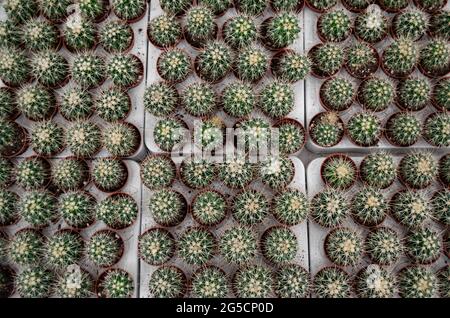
(346, 158)
(311, 126)
(314, 69)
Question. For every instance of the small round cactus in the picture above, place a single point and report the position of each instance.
(209, 134)
(326, 129)
(291, 207)
(430, 6)
(334, 26)
(251, 64)
(371, 26)
(63, 249)
(50, 69)
(321, 5)
(76, 104)
(378, 170)
(286, 5)
(169, 133)
(77, 209)
(356, 5)
(14, 67)
(197, 173)
(238, 99)
(279, 245)
(423, 246)
(8, 106)
(156, 246)
(437, 129)
(410, 23)
(83, 139)
(54, 10)
(329, 208)
(20, 11)
(214, 61)
(36, 102)
(383, 246)
(9, 34)
(374, 281)
(376, 94)
(35, 282)
(417, 282)
(276, 99)
(364, 129)
(253, 281)
(7, 176)
(290, 66)
(444, 281)
(9, 213)
(161, 99)
(168, 207)
(164, 31)
(369, 207)
(410, 208)
(291, 136)
(361, 60)
(70, 174)
(343, 246)
(438, 24)
(327, 59)
(168, 282)
(118, 211)
(13, 138)
(332, 282)
(277, 172)
(400, 58)
(38, 208)
(444, 170)
(218, 7)
(109, 174)
(88, 70)
(121, 139)
(441, 91)
(403, 129)
(129, 10)
(125, 70)
(33, 173)
(280, 31)
(210, 282)
(38, 35)
(250, 207)
(104, 248)
(74, 282)
(7, 275)
(96, 10)
(113, 104)
(441, 207)
(435, 58)
(79, 34)
(26, 247)
(339, 171)
(250, 7)
(337, 94)
(200, 26)
(115, 283)
(174, 65)
(413, 94)
(238, 245)
(175, 7)
(116, 37)
(157, 171)
(47, 138)
(418, 170)
(239, 31)
(393, 5)
(196, 246)
(292, 281)
(199, 99)
(236, 172)
(209, 208)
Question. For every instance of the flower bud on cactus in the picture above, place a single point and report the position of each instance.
(279, 245)
(334, 26)
(33, 173)
(280, 31)
(129, 10)
(329, 208)
(343, 246)
(383, 246)
(164, 31)
(250, 207)
(174, 65)
(326, 129)
(403, 129)
(115, 283)
(74, 282)
(238, 245)
(214, 61)
(76, 104)
(209, 208)
(210, 282)
(418, 170)
(410, 208)
(121, 139)
(83, 139)
(88, 70)
(77, 209)
(252, 281)
(239, 31)
(156, 246)
(168, 207)
(332, 282)
(338, 171)
(292, 281)
(196, 246)
(168, 282)
(116, 37)
(70, 174)
(441, 206)
(50, 68)
(417, 282)
(337, 94)
(35, 282)
(9, 213)
(104, 248)
(364, 129)
(14, 67)
(400, 58)
(47, 138)
(327, 59)
(251, 64)
(236, 172)
(376, 94)
(169, 133)
(157, 172)
(251, 7)
(411, 23)
(26, 247)
(63, 249)
(79, 34)
(369, 207)
(36, 102)
(374, 281)
(371, 26)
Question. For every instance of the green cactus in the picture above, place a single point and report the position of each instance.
(175, 7)
(339, 171)
(435, 58)
(118, 211)
(334, 26)
(113, 104)
(93, 9)
(437, 129)
(400, 57)
(253, 134)
(444, 281)
(157, 171)
(209, 134)
(236, 172)
(54, 10)
(250, 207)
(20, 11)
(439, 24)
(70, 174)
(8, 106)
(161, 99)
(253, 281)
(76, 104)
(47, 138)
(238, 99)
(291, 66)
(38, 35)
(200, 25)
(129, 10)
(383, 246)
(164, 31)
(121, 139)
(6, 281)
(417, 282)
(104, 248)
(210, 282)
(218, 7)
(337, 93)
(378, 170)
(49, 68)
(77, 209)
(116, 37)
(3, 246)
(12, 138)
(63, 249)
(169, 133)
(332, 282)
(277, 172)
(238, 245)
(7, 176)
(321, 5)
(33, 173)
(369, 207)
(74, 283)
(88, 70)
(292, 281)
(251, 7)
(214, 61)
(36, 102)
(9, 34)
(356, 5)
(38, 208)
(444, 170)
(343, 246)
(83, 139)
(14, 67)
(196, 246)
(430, 6)
(286, 5)
(276, 99)
(411, 23)
(9, 212)
(109, 174)
(168, 282)
(364, 129)
(374, 281)
(116, 283)
(441, 91)
(197, 173)
(280, 31)
(327, 59)
(279, 245)
(156, 246)
(423, 246)
(326, 129)
(441, 207)
(251, 64)
(239, 31)
(35, 282)
(174, 65)
(413, 93)
(209, 208)
(376, 94)
(393, 5)
(199, 99)
(168, 207)
(418, 170)
(291, 136)
(410, 208)
(329, 208)
(79, 34)
(26, 247)
(361, 60)
(403, 129)
(125, 70)
(290, 207)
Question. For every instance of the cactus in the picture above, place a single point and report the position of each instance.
(20, 11)
(168, 207)
(364, 129)
(169, 133)
(334, 26)
(276, 99)
(326, 129)
(393, 5)
(156, 246)
(214, 61)
(361, 60)
(210, 282)
(7, 176)
(251, 7)
(369, 207)
(115, 283)
(383, 246)
(54, 10)
(168, 282)
(279, 245)
(175, 7)
(417, 282)
(38, 208)
(321, 5)
(444, 281)
(196, 246)
(129, 10)
(238, 99)
(430, 6)
(378, 170)
(411, 23)
(197, 173)
(209, 208)
(77, 209)
(76, 104)
(291, 136)
(164, 31)
(63, 249)
(125, 70)
(33, 173)
(8, 106)
(14, 67)
(326, 59)
(157, 172)
(376, 94)
(26, 247)
(423, 246)
(329, 208)
(70, 174)
(337, 94)
(291, 207)
(400, 58)
(280, 30)
(332, 282)
(238, 245)
(441, 207)
(118, 211)
(250, 207)
(339, 171)
(9, 34)
(218, 7)
(437, 129)
(277, 172)
(374, 281)
(6, 281)
(435, 58)
(253, 134)
(439, 24)
(209, 134)
(113, 104)
(88, 70)
(199, 99)
(290, 66)
(239, 31)
(413, 93)
(47, 138)
(410, 208)
(83, 139)
(441, 91)
(12, 138)
(444, 170)
(36, 102)
(292, 281)
(38, 35)
(403, 129)
(79, 34)
(200, 26)
(236, 172)
(418, 170)
(356, 5)
(251, 64)
(252, 281)
(104, 248)
(121, 139)
(50, 68)
(35, 282)
(109, 174)
(116, 37)
(74, 282)
(286, 5)
(161, 99)
(174, 65)
(9, 212)
(93, 9)
(343, 246)
(3, 249)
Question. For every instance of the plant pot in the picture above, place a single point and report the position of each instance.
(314, 70)
(360, 173)
(173, 82)
(387, 135)
(150, 39)
(312, 123)
(264, 38)
(21, 146)
(395, 75)
(157, 228)
(368, 70)
(346, 158)
(434, 74)
(326, 105)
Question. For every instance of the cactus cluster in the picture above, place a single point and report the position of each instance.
(326, 129)
(430, 6)
(210, 282)
(196, 246)
(327, 59)
(364, 129)
(218, 7)
(116, 37)
(70, 174)
(168, 282)
(423, 245)
(329, 208)
(292, 281)
(36, 102)
(19, 11)
(238, 245)
(109, 174)
(209, 133)
(252, 281)
(250, 207)
(175, 7)
(121, 139)
(169, 133)
(63, 249)
(9, 34)
(334, 26)
(383, 246)
(209, 208)
(417, 282)
(83, 138)
(197, 173)
(168, 207)
(279, 245)
(410, 208)
(339, 171)
(77, 209)
(403, 129)
(438, 24)
(343, 246)
(156, 246)
(115, 283)
(236, 172)
(117, 211)
(104, 248)
(157, 171)
(291, 207)
(332, 282)
(418, 170)
(376, 94)
(76, 104)
(374, 281)
(239, 31)
(369, 207)
(337, 94)
(79, 34)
